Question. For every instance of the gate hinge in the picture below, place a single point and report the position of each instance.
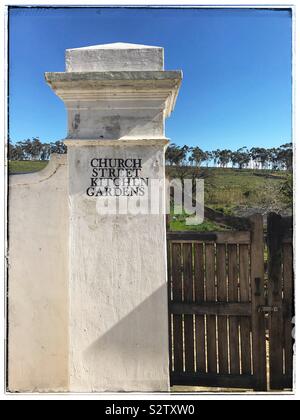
(268, 309)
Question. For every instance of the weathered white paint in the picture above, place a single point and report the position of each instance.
(117, 285)
(118, 56)
(38, 280)
(116, 105)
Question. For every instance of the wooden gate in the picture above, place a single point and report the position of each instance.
(218, 308)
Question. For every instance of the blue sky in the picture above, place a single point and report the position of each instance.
(237, 69)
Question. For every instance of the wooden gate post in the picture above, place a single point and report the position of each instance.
(275, 235)
(280, 301)
(258, 300)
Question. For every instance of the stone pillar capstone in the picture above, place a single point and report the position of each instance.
(117, 98)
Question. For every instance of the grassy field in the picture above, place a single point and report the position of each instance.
(231, 191)
(24, 166)
(226, 187)
(231, 186)
(238, 192)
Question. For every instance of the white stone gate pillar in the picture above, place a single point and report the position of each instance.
(117, 97)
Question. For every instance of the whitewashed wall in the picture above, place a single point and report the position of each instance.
(38, 279)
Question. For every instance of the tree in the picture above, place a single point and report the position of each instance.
(172, 154)
(215, 156)
(34, 149)
(15, 151)
(198, 155)
(241, 157)
(208, 157)
(183, 154)
(224, 157)
(273, 158)
(285, 156)
(58, 147)
(46, 151)
(260, 156)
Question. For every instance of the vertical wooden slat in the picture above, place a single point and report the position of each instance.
(188, 298)
(233, 321)
(177, 297)
(245, 323)
(275, 291)
(288, 304)
(211, 297)
(199, 297)
(222, 320)
(258, 299)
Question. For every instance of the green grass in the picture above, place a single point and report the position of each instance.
(232, 187)
(227, 188)
(23, 166)
(207, 226)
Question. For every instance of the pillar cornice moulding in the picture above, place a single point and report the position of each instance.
(125, 141)
(118, 86)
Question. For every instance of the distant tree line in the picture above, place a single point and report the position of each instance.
(34, 149)
(280, 158)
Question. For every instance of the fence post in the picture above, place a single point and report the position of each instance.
(258, 299)
(275, 236)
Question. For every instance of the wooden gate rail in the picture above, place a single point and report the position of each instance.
(213, 380)
(212, 308)
(238, 237)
